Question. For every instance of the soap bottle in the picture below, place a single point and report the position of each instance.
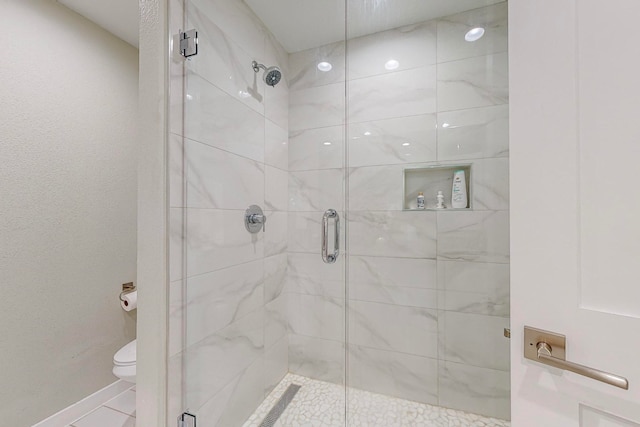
(421, 200)
(459, 190)
(440, 200)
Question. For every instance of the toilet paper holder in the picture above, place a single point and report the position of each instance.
(127, 288)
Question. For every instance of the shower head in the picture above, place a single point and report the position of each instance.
(271, 76)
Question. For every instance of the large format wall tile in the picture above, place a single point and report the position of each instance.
(393, 141)
(490, 181)
(224, 63)
(393, 234)
(276, 324)
(474, 287)
(238, 22)
(212, 117)
(317, 358)
(217, 239)
(410, 330)
(474, 339)
(303, 66)
(217, 299)
(399, 94)
(396, 374)
(218, 179)
(275, 276)
(218, 359)
(276, 196)
(276, 103)
(478, 390)
(400, 281)
(276, 146)
(474, 236)
(411, 46)
(316, 316)
(473, 82)
(308, 274)
(376, 188)
(320, 148)
(316, 107)
(317, 190)
(234, 403)
(275, 233)
(276, 364)
(452, 29)
(474, 134)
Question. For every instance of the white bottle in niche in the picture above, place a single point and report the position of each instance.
(421, 200)
(459, 190)
(440, 200)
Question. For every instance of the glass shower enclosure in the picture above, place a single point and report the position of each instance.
(308, 286)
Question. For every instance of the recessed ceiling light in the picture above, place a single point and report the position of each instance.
(391, 64)
(405, 144)
(324, 66)
(326, 143)
(474, 34)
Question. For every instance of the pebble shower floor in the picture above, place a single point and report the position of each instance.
(321, 404)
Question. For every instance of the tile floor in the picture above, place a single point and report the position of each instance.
(117, 412)
(317, 403)
(320, 403)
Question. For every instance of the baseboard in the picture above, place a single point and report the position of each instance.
(82, 407)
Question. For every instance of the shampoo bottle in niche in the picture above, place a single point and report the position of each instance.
(421, 200)
(459, 190)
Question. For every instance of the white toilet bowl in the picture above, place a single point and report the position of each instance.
(124, 363)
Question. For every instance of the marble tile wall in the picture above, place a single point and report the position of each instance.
(428, 293)
(228, 321)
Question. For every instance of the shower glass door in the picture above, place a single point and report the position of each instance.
(428, 289)
(312, 289)
(263, 133)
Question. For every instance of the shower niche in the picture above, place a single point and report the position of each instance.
(429, 180)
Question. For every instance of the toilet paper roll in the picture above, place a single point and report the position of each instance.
(130, 301)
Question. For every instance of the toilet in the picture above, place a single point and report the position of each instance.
(124, 363)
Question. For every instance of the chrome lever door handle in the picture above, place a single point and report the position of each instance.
(549, 348)
(324, 250)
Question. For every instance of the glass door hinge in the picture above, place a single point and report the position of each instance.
(188, 43)
(187, 420)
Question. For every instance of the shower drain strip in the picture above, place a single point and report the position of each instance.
(280, 406)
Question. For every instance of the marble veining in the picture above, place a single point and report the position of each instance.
(473, 82)
(402, 93)
(398, 140)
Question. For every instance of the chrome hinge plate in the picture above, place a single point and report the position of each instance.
(187, 420)
(188, 43)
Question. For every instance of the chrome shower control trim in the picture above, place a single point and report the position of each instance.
(254, 219)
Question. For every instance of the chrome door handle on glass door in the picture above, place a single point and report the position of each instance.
(326, 257)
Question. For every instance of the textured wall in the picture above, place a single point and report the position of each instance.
(68, 211)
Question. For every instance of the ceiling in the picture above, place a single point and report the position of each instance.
(303, 24)
(119, 17)
(297, 24)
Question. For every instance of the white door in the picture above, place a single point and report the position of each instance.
(575, 206)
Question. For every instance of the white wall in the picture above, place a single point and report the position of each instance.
(68, 211)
